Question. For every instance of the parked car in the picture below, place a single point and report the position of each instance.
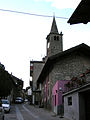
(1, 112)
(5, 105)
(19, 100)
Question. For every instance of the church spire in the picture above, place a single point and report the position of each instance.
(54, 40)
(54, 28)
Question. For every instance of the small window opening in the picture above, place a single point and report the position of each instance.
(69, 100)
(55, 37)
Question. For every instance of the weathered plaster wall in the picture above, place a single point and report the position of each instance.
(71, 111)
(57, 91)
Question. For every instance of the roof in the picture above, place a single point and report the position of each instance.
(54, 28)
(81, 14)
(83, 88)
(51, 60)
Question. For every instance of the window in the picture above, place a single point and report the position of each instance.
(69, 100)
(56, 38)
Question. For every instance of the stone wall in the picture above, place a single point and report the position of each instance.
(37, 67)
(66, 68)
(70, 66)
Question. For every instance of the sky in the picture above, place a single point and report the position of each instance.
(23, 36)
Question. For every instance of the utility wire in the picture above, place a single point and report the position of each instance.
(31, 14)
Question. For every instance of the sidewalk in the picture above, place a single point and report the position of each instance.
(44, 112)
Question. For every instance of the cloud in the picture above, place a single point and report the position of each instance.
(61, 4)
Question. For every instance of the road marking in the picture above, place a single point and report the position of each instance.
(18, 113)
(33, 115)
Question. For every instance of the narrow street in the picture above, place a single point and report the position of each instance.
(29, 112)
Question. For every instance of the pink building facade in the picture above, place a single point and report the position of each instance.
(57, 99)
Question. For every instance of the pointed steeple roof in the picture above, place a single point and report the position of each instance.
(54, 28)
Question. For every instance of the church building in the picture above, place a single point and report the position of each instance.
(59, 68)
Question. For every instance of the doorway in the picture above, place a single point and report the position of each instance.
(84, 105)
(87, 105)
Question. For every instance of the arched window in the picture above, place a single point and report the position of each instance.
(55, 37)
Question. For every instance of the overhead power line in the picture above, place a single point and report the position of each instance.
(31, 14)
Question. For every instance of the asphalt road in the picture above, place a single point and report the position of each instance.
(28, 112)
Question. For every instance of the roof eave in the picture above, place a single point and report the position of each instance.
(81, 13)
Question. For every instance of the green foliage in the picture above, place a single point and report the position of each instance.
(5, 83)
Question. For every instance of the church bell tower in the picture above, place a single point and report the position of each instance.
(54, 40)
